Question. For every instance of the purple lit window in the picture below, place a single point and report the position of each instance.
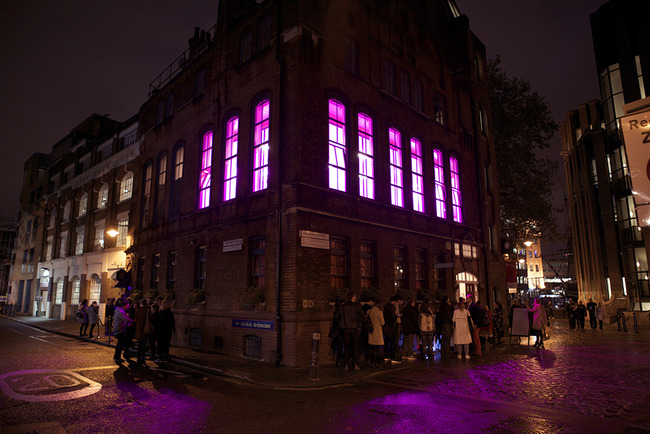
(230, 163)
(416, 175)
(366, 163)
(456, 198)
(206, 171)
(439, 176)
(261, 147)
(337, 148)
(396, 185)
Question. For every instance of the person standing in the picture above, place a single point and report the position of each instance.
(141, 318)
(445, 319)
(82, 317)
(390, 326)
(497, 321)
(539, 322)
(591, 310)
(110, 311)
(93, 317)
(426, 327)
(376, 337)
(154, 317)
(571, 314)
(581, 314)
(462, 333)
(600, 314)
(409, 327)
(352, 316)
(336, 333)
(478, 319)
(120, 322)
(167, 328)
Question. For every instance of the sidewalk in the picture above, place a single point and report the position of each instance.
(237, 368)
(268, 375)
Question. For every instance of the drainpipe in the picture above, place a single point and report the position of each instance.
(278, 265)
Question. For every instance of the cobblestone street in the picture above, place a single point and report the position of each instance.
(582, 377)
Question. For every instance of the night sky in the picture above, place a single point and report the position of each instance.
(61, 64)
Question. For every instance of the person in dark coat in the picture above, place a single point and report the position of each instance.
(154, 317)
(336, 332)
(351, 321)
(93, 317)
(580, 313)
(409, 327)
(82, 317)
(167, 326)
(445, 319)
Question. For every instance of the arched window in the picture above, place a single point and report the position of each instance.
(230, 159)
(456, 197)
(338, 152)
(95, 289)
(126, 186)
(66, 212)
(439, 175)
(261, 146)
(161, 183)
(205, 175)
(175, 192)
(76, 291)
(396, 179)
(58, 298)
(83, 205)
(102, 196)
(417, 177)
(366, 160)
(146, 193)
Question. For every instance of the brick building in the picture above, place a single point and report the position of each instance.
(301, 149)
(70, 198)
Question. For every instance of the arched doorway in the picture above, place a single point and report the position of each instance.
(467, 284)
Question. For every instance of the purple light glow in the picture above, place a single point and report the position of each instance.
(230, 163)
(416, 175)
(337, 147)
(206, 171)
(366, 163)
(456, 198)
(396, 185)
(261, 147)
(439, 174)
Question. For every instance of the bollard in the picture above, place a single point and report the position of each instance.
(624, 323)
(313, 366)
(636, 324)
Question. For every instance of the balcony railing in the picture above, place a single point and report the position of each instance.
(198, 44)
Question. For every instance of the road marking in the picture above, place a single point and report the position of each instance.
(42, 340)
(16, 331)
(38, 385)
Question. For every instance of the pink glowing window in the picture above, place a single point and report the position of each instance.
(261, 147)
(337, 148)
(439, 176)
(416, 175)
(206, 170)
(366, 162)
(396, 184)
(456, 198)
(230, 160)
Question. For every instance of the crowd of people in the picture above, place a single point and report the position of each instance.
(369, 334)
(145, 324)
(577, 312)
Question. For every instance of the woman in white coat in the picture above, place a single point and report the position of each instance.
(462, 334)
(376, 338)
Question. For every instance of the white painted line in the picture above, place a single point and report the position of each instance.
(42, 340)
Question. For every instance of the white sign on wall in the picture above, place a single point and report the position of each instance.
(315, 240)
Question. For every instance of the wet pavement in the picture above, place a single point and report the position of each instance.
(585, 378)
